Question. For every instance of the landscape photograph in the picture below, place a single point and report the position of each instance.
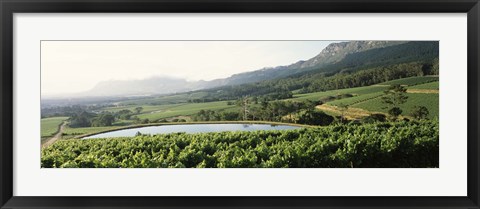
(239, 104)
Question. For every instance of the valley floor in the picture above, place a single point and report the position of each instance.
(362, 102)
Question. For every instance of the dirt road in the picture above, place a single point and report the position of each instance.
(423, 91)
(56, 137)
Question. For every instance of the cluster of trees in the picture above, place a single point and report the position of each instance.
(403, 145)
(280, 111)
(368, 77)
(81, 118)
(63, 110)
(275, 111)
(84, 118)
(309, 82)
(211, 115)
(89, 119)
(265, 91)
(394, 96)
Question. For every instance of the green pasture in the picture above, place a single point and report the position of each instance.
(414, 99)
(431, 85)
(49, 126)
(411, 81)
(355, 91)
(167, 99)
(69, 131)
(356, 99)
(186, 110)
(146, 108)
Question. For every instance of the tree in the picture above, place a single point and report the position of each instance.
(81, 119)
(419, 112)
(124, 114)
(310, 105)
(229, 116)
(104, 119)
(312, 117)
(393, 97)
(376, 117)
(395, 112)
(243, 103)
(343, 109)
(138, 109)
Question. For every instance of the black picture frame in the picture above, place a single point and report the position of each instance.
(9, 7)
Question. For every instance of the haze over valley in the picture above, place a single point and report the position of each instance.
(161, 85)
(247, 104)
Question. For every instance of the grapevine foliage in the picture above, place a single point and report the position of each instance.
(379, 145)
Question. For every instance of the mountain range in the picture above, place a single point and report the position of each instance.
(336, 56)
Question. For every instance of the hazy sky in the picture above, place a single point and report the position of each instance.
(76, 66)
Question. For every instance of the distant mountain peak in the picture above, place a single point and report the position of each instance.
(335, 52)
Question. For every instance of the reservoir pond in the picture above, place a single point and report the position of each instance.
(190, 128)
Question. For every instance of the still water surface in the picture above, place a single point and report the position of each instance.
(191, 128)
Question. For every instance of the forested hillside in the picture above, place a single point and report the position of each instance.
(354, 70)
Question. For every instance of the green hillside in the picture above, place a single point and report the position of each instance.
(49, 126)
(431, 85)
(370, 98)
(431, 101)
(411, 81)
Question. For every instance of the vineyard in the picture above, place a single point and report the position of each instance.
(49, 126)
(385, 145)
(411, 81)
(431, 85)
(428, 100)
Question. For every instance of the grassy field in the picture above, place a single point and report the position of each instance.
(49, 126)
(411, 81)
(431, 85)
(186, 110)
(324, 94)
(146, 108)
(163, 107)
(356, 99)
(69, 131)
(163, 100)
(428, 100)
(367, 98)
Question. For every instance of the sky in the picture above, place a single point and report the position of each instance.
(77, 66)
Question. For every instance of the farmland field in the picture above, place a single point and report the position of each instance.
(231, 104)
(186, 110)
(324, 94)
(431, 85)
(49, 126)
(278, 149)
(146, 108)
(367, 98)
(428, 100)
(163, 100)
(69, 131)
(356, 99)
(411, 81)
(360, 98)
